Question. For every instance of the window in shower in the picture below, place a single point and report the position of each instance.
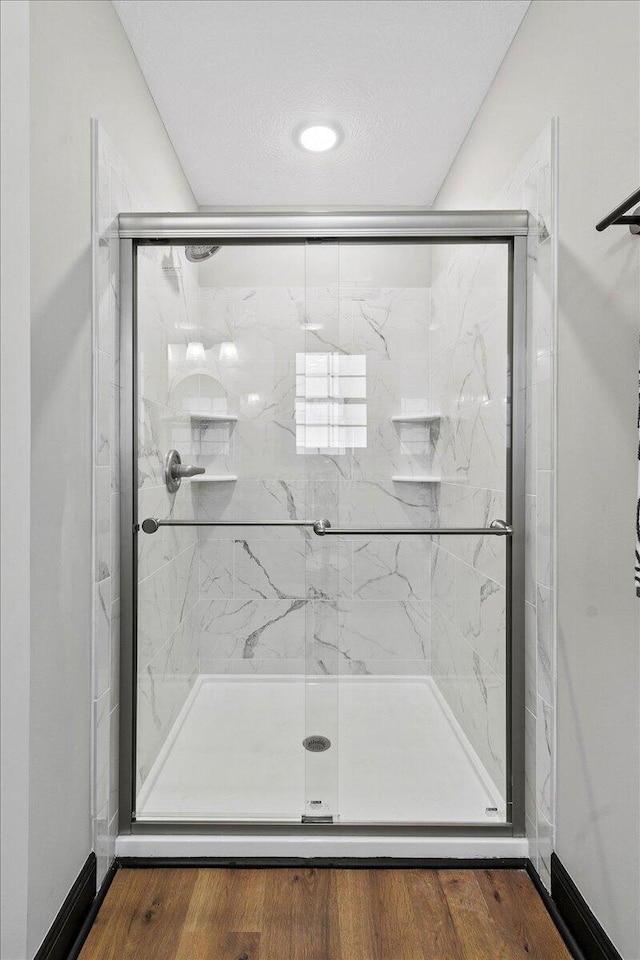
(359, 675)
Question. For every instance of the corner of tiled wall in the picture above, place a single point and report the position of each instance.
(533, 186)
(112, 192)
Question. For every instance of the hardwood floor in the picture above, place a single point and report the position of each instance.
(322, 914)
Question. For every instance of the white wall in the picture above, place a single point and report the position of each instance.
(14, 457)
(81, 66)
(579, 61)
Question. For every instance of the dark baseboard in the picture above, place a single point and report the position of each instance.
(354, 863)
(578, 917)
(71, 916)
(89, 920)
(554, 913)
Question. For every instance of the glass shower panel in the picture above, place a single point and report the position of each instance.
(221, 605)
(421, 622)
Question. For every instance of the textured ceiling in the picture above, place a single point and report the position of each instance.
(403, 78)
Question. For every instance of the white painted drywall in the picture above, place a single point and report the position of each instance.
(81, 66)
(15, 443)
(579, 60)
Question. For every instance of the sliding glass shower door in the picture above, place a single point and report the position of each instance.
(322, 543)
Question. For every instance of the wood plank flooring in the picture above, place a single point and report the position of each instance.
(322, 914)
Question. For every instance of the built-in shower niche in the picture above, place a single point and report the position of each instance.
(373, 397)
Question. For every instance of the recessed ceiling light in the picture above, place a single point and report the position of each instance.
(318, 138)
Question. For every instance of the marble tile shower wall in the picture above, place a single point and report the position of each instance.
(284, 600)
(468, 577)
(469, 378)
(167, 655)
(113, 191)
(533, 186)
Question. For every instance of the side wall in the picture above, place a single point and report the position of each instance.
(81, 66)
(551, 70)
(15, 451)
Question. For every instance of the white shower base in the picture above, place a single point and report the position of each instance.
(398, 755)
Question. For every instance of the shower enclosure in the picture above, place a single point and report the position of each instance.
(322, 469)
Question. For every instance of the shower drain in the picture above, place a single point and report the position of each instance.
(316, 744)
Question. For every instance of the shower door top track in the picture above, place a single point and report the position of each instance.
(508, 227)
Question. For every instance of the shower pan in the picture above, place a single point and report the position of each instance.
(322, 526)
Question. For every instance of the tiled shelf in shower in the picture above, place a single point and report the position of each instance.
(214, 478)
(417, 418)
(416, 479)
(213, 417)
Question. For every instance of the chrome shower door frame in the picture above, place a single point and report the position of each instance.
(509, 227)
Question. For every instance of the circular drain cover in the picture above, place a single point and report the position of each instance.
(316, 744)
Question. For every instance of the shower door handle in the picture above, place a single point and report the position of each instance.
(498, 528)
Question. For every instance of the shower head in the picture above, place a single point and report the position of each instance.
(197, 253)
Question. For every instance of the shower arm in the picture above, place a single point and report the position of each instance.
(322, 528)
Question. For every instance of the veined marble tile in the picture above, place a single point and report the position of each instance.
(403, 449)
(544, 414)
(481, 615)
(384, 630)
(104, 412)
(443, 580)
(101, 743)
(476, 695)
(216, 568)
(253, 390)
(157, 611)
(530, 765)
(329, 568)
(115, 545)
(266, 450)
(480, 446)
(154, 550)
(231, 293)
(102, 521)
(114, 390)
(269, 569)
(266, 500)
(396, 388)
(530, 656)
(114, 678)
(218, 322)
(544, 545)
(545, 652)
(544, 752)
(161, 429)
(163, 686)
(545, 849)
(530, 538)
(390, 329)
(327, 326)
(391, 568)
(530, 437)
(374, 503)
(460, 505)
(114, 772)
(269, 330)
(153, 345)
(101, 665)
(248, 629)
(278, 667)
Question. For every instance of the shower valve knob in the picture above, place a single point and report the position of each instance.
(175, 471)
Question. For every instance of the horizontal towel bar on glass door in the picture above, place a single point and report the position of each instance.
(498, 528)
